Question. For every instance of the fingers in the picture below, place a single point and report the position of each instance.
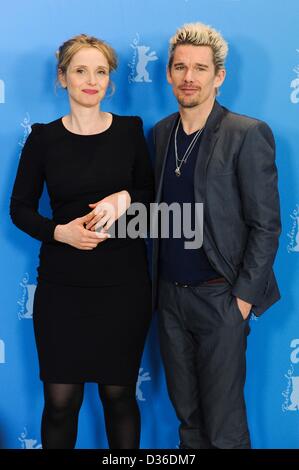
(100, 214)
(94, 237)
(91, 246)
(109, 223)
(97, 213)
(86, 218)
(90, 224)
(94, 220)
(102, 221)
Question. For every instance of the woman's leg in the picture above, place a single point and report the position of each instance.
(60, 415)
(122, 417)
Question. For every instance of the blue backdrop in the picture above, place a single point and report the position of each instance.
(262, 81)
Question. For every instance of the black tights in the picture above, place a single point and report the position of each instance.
(62, 406)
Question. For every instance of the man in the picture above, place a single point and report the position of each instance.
(207, 154)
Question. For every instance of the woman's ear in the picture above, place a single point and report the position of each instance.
(61, 78)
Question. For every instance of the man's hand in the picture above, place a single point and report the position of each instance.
(244, 307)
(108, 210)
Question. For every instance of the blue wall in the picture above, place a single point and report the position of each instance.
(262, 81)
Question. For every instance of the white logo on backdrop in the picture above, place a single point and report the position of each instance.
(295, 85)
(26, 301)
(27, 129)
(142, 377)
(2, 352)
(293, 234)
(2, 92)
(291, 394)
(139, 62)
(28, 443)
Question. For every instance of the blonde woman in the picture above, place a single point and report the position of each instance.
(92, 305)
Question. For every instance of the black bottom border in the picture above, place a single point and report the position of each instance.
(151, 457)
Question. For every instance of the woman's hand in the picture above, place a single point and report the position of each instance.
(76, 235)
(108, 210)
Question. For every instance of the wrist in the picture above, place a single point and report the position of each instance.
(127, 195)
(58, 233)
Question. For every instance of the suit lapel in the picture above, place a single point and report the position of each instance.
(162, 152)
(209, 139)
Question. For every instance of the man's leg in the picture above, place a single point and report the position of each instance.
(221, 335)
(179, 353)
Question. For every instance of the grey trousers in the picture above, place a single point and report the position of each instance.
(203, 339)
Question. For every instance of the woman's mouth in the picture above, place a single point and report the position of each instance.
(90, 92)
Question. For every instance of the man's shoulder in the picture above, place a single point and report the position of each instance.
(230, 121)
(241, 122)
(165, 122)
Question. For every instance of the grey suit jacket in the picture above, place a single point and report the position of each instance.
(236, 179)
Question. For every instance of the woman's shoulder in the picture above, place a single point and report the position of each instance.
(41, 130)
(128, 122)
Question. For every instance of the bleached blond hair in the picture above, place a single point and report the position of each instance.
(199, 34)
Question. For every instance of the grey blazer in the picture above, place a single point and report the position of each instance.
(236, 179)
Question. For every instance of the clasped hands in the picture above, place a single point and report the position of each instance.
(81, 232)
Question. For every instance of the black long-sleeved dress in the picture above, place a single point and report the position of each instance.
(91, 308)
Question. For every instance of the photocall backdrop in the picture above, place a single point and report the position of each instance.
(262, 81)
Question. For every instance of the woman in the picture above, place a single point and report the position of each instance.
(92, 305)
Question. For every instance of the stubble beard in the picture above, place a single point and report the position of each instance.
(188, 104)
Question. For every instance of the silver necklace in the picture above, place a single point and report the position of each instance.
(180, 161)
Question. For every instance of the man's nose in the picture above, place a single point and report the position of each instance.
(189, 75)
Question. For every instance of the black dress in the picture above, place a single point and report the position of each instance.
(92, 309)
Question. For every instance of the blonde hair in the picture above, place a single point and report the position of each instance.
(69, 48)
(199, 34)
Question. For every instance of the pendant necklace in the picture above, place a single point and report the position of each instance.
(180, 161)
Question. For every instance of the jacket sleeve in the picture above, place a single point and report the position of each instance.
(27, 190)
(257, 176)
(142, 189)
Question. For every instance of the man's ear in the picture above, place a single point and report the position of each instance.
(168, 75)
(220, 77)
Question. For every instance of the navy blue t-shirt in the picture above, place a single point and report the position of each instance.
(176, 262)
